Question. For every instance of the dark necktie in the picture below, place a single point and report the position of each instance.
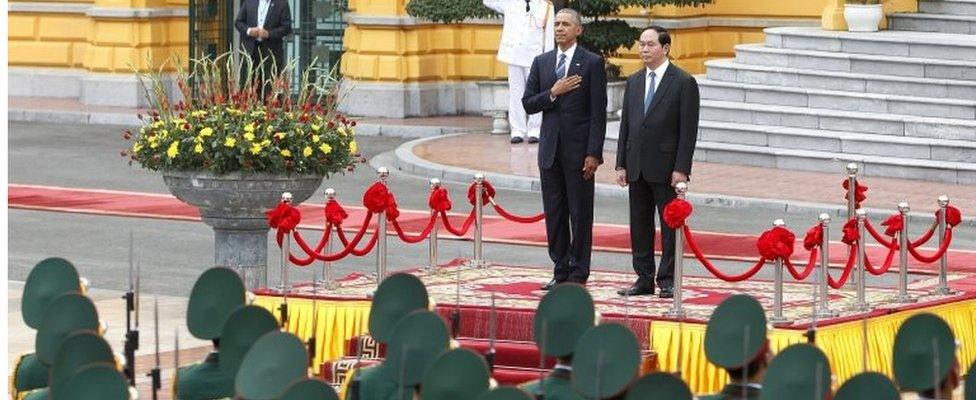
(650, 93)
(561, 66)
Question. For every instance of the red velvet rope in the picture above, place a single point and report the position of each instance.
(928, 235)
(811, 264)
(365, 250)
(938, 254)
(851, 260)
(302, 262)
(884, 268)
(517, 218)
(419, 238)
(892, 244)
(711, 268)
(349, 248)
(464, 227)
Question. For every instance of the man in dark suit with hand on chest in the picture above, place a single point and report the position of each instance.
(569, 86)
(658, 129)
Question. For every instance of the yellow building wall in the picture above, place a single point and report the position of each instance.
(95, 43)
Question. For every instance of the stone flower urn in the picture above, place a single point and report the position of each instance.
(234, 205)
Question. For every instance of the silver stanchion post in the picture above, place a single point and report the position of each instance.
(823, 310)
(327, 281)
(778, 317)
(851, 189)
(432, 239)
(479, 189)
(381, 231)
(943, 287)
(677, 310)
(286, 197)
(861, 304)
(903, 296)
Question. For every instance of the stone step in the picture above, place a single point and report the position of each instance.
(944, 46)
(837, 120)
(945, 23)
(922, 151)
(837, 100)
(759, 54)
(728, 70)
(806, 160)
(952, 7)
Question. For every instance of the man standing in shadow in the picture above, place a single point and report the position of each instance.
(658, 129)
(569, 86)
(263, 25)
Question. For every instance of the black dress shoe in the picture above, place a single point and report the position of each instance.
(550, 285)
(533, 140)
(666, 293)
(516, 140)
(636, 291)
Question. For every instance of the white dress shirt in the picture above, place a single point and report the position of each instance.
(658, 73)
(569, 59)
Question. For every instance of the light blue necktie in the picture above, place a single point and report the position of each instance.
(561, 66)
(650, 93)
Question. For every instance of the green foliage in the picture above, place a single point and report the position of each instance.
(601, 34)
(449, 11)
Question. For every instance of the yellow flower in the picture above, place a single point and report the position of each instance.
(326, 149)
(286, 153)
(173, 150)
(138, 146)
(164, 133)
(230, 142)
(249, 127)
(198, 139)
(269, 129)
(316, 127)
(342, 130)
(265, 142)
(353, 147)
(307, 151)
(198, 148)
(206, 132)
(255, 148)
(315, 138)
(249, 136)
(153, 142)
(199, 113)
(280, 135)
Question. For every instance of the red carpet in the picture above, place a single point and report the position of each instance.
(606, 237)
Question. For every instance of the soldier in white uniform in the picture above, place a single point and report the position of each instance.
(528, 31)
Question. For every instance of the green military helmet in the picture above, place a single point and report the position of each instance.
(736, 332)
(80, 349)
(418, 339)
(47, 280)
(98, 381)
(868, 385)
(923, 340)
(310, 389)
(605, 361)
(456, 374)
(506, 393)
(563, 316)
(29, 374)
(398, 295)
(68, 313)
(800, 368)
(659, 386)
(242, 328)
(216, 294)
(969, 388)
(274, 362)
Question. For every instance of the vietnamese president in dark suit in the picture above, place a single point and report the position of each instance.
(658, 129)
(263, 25)
(569, 86)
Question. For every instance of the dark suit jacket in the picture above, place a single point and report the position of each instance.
(277, 23)
(663, 141)
(576, 123)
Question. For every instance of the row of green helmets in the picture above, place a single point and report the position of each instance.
(71, 359)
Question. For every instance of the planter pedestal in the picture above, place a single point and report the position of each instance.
(234, 205)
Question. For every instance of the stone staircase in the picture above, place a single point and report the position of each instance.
(901, 103)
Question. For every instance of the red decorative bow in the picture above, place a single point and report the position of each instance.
(439, 201)
(284, 217)
(776, 243)
(814, 237)
(676, 212)
(487, 192)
